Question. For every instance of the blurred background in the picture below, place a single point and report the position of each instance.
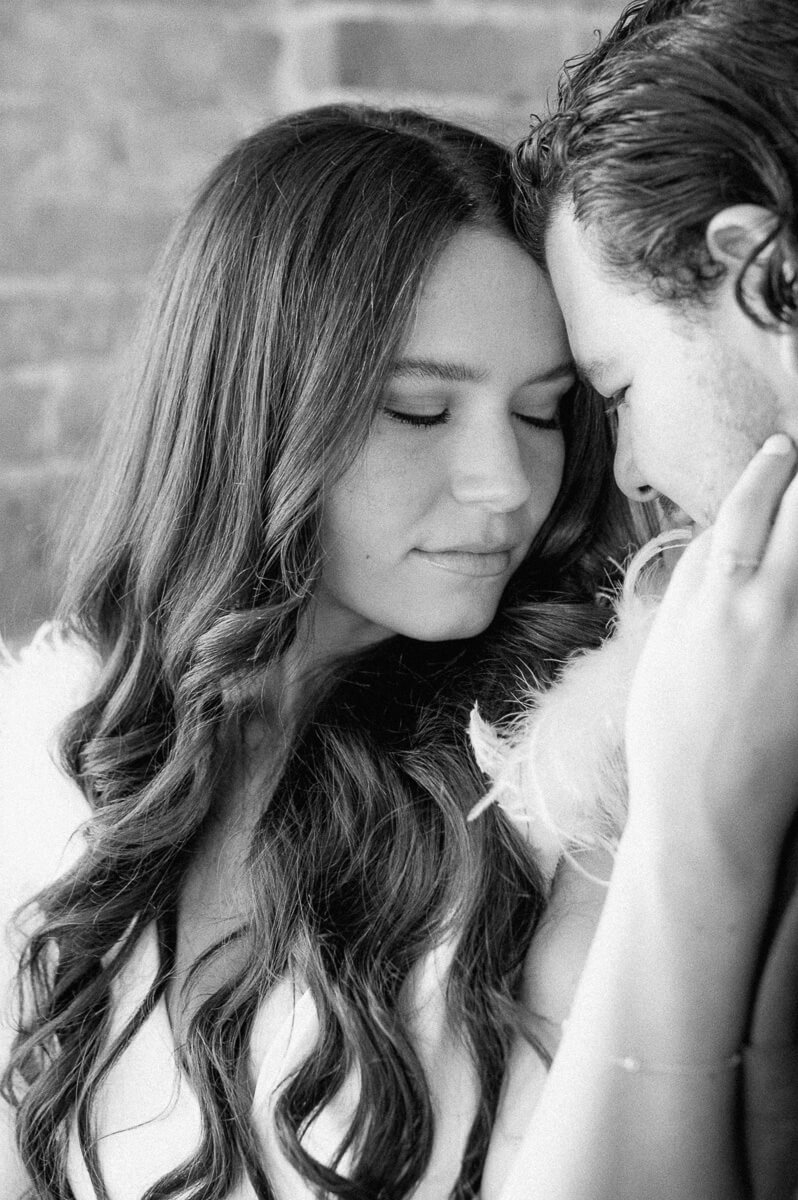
(112, 111)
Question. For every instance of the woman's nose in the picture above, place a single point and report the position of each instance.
(627, 474)
(489, 469)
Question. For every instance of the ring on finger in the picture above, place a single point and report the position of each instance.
(734, 564)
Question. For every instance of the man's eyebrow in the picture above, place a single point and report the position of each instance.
(455, 372)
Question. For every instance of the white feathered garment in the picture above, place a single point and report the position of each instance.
(41, 808)
(559, 770)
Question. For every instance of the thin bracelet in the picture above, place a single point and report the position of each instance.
(641, 1066)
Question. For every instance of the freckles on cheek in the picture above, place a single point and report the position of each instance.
(546, 477)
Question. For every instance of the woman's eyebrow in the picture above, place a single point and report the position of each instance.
(444, 370)
(455, 372)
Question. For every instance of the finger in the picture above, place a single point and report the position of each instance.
(780, 560)
(690, 570)
(741, 531)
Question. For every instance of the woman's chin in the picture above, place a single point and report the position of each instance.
(452, 629)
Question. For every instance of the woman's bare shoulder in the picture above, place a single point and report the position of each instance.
(552, 970)
(560, 946)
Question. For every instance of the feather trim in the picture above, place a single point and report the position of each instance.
(40, 807)
(559, 770)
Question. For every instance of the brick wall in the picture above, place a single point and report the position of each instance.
(112, 110)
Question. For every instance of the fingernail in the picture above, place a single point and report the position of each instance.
(779, 443)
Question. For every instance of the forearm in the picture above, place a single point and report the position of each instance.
(774, 1014)
(770, 1064)
(667, 982)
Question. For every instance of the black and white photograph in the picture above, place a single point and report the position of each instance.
(399, 600)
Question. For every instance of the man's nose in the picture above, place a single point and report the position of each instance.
(627, 473)
(488, 469)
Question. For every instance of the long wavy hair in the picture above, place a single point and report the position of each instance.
(282, 301)
(684, 108)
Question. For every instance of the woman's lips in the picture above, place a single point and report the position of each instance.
(482, 564)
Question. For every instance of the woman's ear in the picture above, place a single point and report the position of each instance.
(734, 233)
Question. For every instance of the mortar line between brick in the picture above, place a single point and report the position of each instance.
(12, 286)
(62, 367)
(39, 471)
(458, 13)
(432, 101)
(502, 11)
(131, 10)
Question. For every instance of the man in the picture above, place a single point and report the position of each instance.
(662, 195)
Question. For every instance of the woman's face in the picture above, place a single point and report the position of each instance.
(463, 462)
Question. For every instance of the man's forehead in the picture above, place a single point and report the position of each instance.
(599, 313)
(575, 272)
(569, 237)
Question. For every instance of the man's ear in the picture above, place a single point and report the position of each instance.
(734, 233)
(788, 350)
(732, 236)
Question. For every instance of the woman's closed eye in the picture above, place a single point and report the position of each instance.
(428, 420)
(546, 419)
(540, 406)
(539, 422)
(416, 419)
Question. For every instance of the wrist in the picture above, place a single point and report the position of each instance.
(737, 819)
(699, 860)
(693, 925)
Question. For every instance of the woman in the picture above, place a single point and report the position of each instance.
(354, 490)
